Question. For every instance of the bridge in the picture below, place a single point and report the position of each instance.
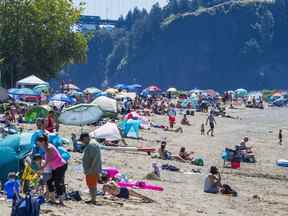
(113, 9)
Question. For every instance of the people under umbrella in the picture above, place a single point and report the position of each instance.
(46, 163)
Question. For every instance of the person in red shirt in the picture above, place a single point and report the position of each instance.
(51, 122)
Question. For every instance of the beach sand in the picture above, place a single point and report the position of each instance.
(262, 187)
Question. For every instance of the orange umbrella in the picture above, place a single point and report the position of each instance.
(277, 94)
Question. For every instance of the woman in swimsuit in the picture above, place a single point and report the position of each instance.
(123, 193)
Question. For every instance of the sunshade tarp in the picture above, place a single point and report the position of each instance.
(106, 104)
(81, 114)
(131, 128)
(13, 148)
(31, 81)
(108, 131)
(36, 112)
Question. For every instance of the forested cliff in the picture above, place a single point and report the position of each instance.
(188, 44)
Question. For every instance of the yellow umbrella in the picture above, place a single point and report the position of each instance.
(111, 91)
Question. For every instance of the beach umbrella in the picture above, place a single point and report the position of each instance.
(106, 104)
(120, 86)
(241, 92)
(211, 93)
(153, 88)
(63, 98)
(81, 114)
(57, 104)
(41, 88)
(92, 90)
(172, 89)
(277, 94)
(22, 91)
(135, 86)
(71, 87)
(111, 91)
(76, 94)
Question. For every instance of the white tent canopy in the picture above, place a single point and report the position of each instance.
(30, 81)
(108, 131)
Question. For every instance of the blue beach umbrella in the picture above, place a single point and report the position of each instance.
(22, 91)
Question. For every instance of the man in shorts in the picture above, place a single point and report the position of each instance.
(92, 165)
(212, 124)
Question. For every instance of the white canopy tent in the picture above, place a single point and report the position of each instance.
(30, 81)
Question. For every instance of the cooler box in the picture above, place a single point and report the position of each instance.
(235, 164)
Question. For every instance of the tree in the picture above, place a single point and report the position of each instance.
(36, 36)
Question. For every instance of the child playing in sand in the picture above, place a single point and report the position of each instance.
(30, 176)
(185, 121)
(12, 185)
(123, 193)
(202, 129)
(280, 137)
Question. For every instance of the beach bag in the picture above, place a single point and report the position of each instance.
(226, 189)
(74, 196)
(198, 162)
(170, 168)
(28, 206)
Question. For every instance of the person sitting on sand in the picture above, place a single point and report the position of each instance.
(245, 151)
(185, 120)
(164, 154)
(186, 156)
(243, 145)
(212, 183)
(123, 193)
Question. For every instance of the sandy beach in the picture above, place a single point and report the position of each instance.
(262, 187)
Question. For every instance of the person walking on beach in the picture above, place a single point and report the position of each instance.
(212, 124)
(202, 130)
(280, 137)
(92, 165)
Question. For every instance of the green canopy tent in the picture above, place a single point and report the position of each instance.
(36, 112)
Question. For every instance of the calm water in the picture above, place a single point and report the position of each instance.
(112, 9)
